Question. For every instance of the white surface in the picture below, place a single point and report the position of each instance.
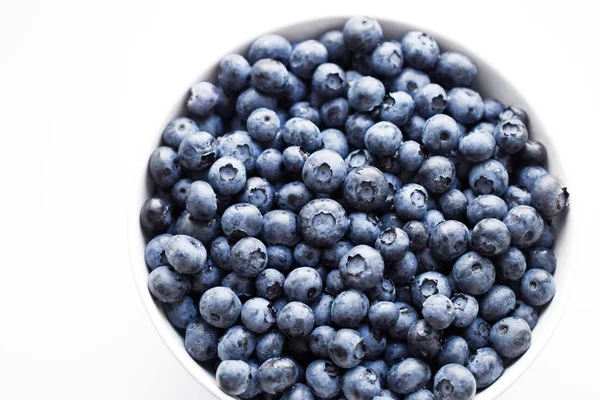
(80, 80)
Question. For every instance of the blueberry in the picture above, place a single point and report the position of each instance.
(362, 267)
(431, 220)
(243, 287)
(395, 352)
(423, 340)
(302, 132)
(528, 176)
(269, 345)
(306, 56)
(263, 124)
(413, 129)
(177, 129)
(511, 337)
(293, 93)
(295, 320)
(363, 228)
(465, 105)
(280, 227)
(486, 366)
(365, 188)
(346, 348)
(322, 222)
(404, 269)
(331, 256)
(511, 264)
(277, 374)
(227, 175)
(270, 46)
(526, 312)
(258, 315)
(356, 128)
(269, 76)
(422, 394)
(375, 340)
(329, 81)
(392, 243)
(525, 226)
(541, 257)
(407, 316)
(220, 307)
(390, 219)
(449, 240)
(477, 334)
(259, 193)
(430, 100)
(454, 382)
(454, 351)
(489, 177)
(252, 99)
(197, 151)
(233, 377)
(410, 156)
(336, 48)
(511, 135)
(512, 112)
(303, 109)
(335, 112)
(237, 343)
(204, 231)
(383, 314)
(453, 204)
(437, 174)
(486, 206)
(473, 274)
(534, 153)
(334, 284)
(201, 340)
(428, 284)
(324, 171)
(164, 166)
(241, 220)
(186, 254)
(294, 158)
(319, 340)
(497, 303)
(349, 308)
(335, 140)
(203, 98)
(359, 158)
(537, 287)
(234, 73)
(408, 376)
(455, 69)
(438, 311)
(490, 237)
(417, 231)
(409, 80)
(208, 278)
(383, 139)
(248, 257)
(181, 313)
(166, 285)
(387, 59)
(154, 253)
(298, 392)
(420, 50)
(548, 196)
(517, 196)
(303, 284)
(366, 94)
(323, 378)
(179, 192)
(362, 34)
(360, 383)
(279, 258)
(269, 283)
(269, 165)
(201, 201)
(492, 110)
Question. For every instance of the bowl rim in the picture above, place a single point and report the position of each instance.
(310, 29)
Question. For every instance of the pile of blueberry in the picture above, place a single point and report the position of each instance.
(346, 218)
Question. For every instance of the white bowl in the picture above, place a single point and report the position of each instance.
(488, 83)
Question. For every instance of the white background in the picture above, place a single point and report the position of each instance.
(80, 78)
